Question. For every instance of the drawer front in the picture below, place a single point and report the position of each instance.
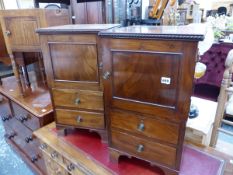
(78, 99)
(80, 118)
(152, 151)
(56, 161)
(29, 149)
(148, 127)
(53, 168)
(25, 117)
(54, 155)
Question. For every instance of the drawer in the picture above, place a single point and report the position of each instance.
(148, 127)
(141, 148)
(80, 118)
(25, 117)
(21, 129)
(29, 149)
(53, 154)
(78, 99)
(53, 168)
(72, 168)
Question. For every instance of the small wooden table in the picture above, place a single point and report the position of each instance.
(199, 129)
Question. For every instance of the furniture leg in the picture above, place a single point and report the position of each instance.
(41, 67)
(114, 155)
(17, 74)
(25, 75)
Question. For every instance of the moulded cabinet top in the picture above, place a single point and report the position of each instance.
(192, 32)
(78, 28)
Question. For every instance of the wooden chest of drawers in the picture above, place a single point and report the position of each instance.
(74, 74)
(22, 116)
(148, 79)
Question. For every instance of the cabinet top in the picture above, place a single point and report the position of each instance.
(78, 28)
(192, 32)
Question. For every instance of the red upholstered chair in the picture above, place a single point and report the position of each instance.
(208, 87)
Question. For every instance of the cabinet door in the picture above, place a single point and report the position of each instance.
(147, 77)
(21, 32)
(72, 62)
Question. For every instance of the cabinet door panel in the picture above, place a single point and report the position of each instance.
(22, 31)
(80, 60)
(148, 78)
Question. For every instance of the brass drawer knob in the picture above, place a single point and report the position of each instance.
(106, 75)
(140, 148)
(54, 154)
(141, 127)
(8, 33)
(79, 119)
(70, 167)
(43, 146)
(77, 101)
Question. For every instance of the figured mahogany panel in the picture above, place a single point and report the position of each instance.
(145, 126)
(74, 62)
(22, 31)
(138, 76)
(80, 118)
(144, 149)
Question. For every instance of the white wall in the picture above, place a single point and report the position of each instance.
(15, 4)
(10, 4)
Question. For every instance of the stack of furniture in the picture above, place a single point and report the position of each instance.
(148, 78)
(22, 42)
(22, 116)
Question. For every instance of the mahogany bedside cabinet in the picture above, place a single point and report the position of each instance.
(148, 81)
(22, 41)
(74, 75)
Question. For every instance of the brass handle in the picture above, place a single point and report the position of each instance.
(140, 148)
(79, 119)
(11, 135)
(54, 154)
(8, 33)
(141, 127)
(23, 118)
(5, 118)
(106, 75)
(34, 158)
(43, 146)
(70, 167)
(77, 101)
(28, 139)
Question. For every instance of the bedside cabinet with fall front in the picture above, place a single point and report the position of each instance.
(148, 76)
(74, 72)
